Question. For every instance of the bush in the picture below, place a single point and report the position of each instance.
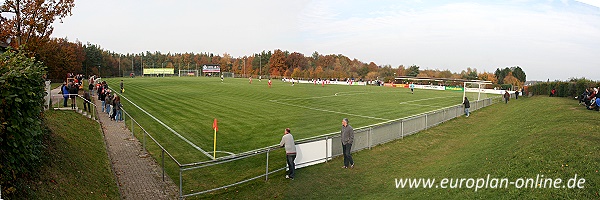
(573, 88)
(21, 129)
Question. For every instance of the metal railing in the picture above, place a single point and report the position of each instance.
(57, 103)
(365, 138)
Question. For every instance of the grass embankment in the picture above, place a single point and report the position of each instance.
(78, 165)
(553, 137)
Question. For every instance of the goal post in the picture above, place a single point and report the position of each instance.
(476, 87)
(188, 72)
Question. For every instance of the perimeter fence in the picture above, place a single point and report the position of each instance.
(228, 171)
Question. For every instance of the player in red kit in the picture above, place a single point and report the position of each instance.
(270, 83)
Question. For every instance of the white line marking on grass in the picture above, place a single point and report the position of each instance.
(414, 104)
(408, 102)
(322, 110)
(170, 129)
(227, 152)
(337, 94)
(334, 95)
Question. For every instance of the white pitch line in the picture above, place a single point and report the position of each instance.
(335, 95)
(170, 129)
(227, 152)
(414, 104)
(322, 110)
(407, 102)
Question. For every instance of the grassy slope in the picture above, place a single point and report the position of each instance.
(78, 167)
(548, 136)
(245, 112)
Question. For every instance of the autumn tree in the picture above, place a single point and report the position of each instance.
(485, 76)
(277, 63)
(413, 71)
(32, 24)
(510, 79)
(469, 74)
(61, 57)
(401, 71)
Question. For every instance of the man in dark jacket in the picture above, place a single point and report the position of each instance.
(73, 91)
(86, 102)
(467, 106)
(347, 135)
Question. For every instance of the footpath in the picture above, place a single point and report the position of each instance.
(138, 175)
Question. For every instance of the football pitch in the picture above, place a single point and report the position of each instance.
(179, 111)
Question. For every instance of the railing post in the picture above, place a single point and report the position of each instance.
(267, 168)
(426, 121)
(163, 164)
(326, 149)
(369, 137)
(144, 144)
(132, 133)
(180, 184)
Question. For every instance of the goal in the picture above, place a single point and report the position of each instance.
(186, 72)
(476, 90)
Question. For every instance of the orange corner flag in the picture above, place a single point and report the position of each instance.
(215, 127)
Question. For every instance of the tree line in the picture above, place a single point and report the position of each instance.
(31, 30)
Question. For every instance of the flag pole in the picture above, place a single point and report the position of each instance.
(215, 146)
(215, 127)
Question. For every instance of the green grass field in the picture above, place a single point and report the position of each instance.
(252, 116)
(553, 137)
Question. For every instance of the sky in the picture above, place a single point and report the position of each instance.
(554, 40)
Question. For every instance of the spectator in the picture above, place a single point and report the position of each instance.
(64, 90)
(102, 96)
(552, 92)
(86, 102)
(109, 98)
(287, 141)
(73, 92)
(506, 96)
(118, 107)
(347, 136)
(517, 94)
(467, 106)
(583, 96)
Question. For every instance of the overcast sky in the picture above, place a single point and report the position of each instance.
(553, 40)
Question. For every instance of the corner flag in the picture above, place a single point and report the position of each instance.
(215, 127)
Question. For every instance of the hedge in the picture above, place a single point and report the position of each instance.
(572, 88)
(21, 129)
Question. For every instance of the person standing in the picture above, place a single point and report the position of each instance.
(221, 78)
(506, 96)
(412, 88)
(270, 83)
(287, 141)
(122, 88)
(86, 103)
(250, 79)
(117, 107)
(467, 106)
(73, 92)
(64, 90)
(347, 135)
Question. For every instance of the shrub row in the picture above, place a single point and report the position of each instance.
(21, 115)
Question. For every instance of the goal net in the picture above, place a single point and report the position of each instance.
(477, 90)
(185, 72)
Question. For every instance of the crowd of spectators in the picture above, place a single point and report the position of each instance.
(589, 99)
(111, 102)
